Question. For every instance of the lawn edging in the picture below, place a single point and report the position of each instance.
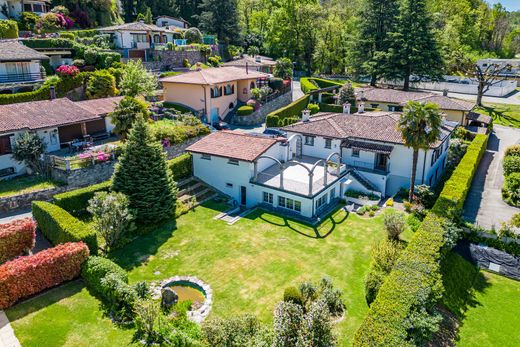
(415, 283)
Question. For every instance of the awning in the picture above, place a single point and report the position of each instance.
(368, 146)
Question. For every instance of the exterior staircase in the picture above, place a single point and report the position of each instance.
(192, 188)
(361, 179)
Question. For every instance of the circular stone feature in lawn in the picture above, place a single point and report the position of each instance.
(189, 288)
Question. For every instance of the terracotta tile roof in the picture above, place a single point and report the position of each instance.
(372, 126)
(233, 144)
(100, 106)
(368, 146)
(478, 117)
(135, 26)
(395, 96)
(214, 76)
(12, 50)
(251, 61)
(42, 114)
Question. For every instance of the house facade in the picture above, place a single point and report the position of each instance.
(172, 22)
(321, 159)
(393, 100)
(20, 66)
(57, 122)
(213, 92)
(14, 8)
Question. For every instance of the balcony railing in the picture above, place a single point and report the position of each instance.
(17, 78)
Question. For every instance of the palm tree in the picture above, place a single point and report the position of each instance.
(420, 126)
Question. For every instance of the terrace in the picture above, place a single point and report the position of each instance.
(305, 176)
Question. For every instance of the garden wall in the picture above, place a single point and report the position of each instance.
(259, 117)
(84, 176)
(164, 60)
(23, 201)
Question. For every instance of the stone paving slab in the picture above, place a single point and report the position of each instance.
(7, 336)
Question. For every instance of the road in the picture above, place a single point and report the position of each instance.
(484, 205)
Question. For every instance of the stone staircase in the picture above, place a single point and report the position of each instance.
(361, 179)
(192, 188)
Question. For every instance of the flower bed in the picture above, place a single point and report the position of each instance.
(29, 275)
(16, 237)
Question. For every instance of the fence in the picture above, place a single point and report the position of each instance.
(76, 163)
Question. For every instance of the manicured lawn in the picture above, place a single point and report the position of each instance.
(248, 266)
(503, 114)
(494, 315)
(25, 184)
(65, 316)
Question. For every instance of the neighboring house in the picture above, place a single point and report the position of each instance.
(213, 92)
(256, 63)
(57, 122)
(393, 100)
(502, 63)
(13, 8)
(134, 39)
(321, 159)
(20, 66)
(172, 22)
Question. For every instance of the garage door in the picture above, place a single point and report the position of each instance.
(70, 132)
(96, 127)
(137, 54)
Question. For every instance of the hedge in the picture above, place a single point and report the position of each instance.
(511, 164)
(81, 33)
(292, 111)
(96, 268)
(29, 275)
(415, 279)
(307, 85)
(310, 84)
(8, 29)
(16, 237)
(181, 167)
(76, 201)
(59, 226)
(245, 110)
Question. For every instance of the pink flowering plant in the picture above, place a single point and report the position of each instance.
(67, 71)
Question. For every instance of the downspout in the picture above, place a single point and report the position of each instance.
(423, 167)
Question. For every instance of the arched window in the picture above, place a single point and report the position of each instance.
(233, 89)
(220, 91)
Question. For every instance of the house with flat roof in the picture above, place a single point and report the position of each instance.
(212, 92)
(393, 100)
(322, 158)
(58, 122)
(20, 66)
(256, 63)
(172, 23)
(14, 8)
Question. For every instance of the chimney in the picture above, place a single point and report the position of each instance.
(361, 107)
(346, 108)
(52, 90)
(247, 68)
(445, 92)
(361, 94)
(306, 115)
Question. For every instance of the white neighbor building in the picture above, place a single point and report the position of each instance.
(13, 8)
(320, 160)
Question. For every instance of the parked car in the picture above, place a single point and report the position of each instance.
(275, 132)
(221, 125)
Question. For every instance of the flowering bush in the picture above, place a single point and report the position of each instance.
(16, 237)
(67, 70)
(52, 22)
(29, 275)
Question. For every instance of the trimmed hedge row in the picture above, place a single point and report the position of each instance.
(181, 167)
(29, 275)
(76, 201)
(16, 237)
(245, 110)
(59, 226)
(416, 280)
(309, 84)
(96, 268)
(291, 111)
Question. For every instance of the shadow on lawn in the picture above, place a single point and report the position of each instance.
(499, 113)
(319, 231)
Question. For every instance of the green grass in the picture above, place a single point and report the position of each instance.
(65, 316)
(494, 317)
(24, 184)
(248, 266)
(503, 114)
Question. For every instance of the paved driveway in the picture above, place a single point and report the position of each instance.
(484, 205)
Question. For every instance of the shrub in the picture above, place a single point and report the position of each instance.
(67, 71)
(59, 226)
(511, 189)
(245, 110)
(292, 294)
(308, 85)
(236, 331)
(193, 35)
(177, 131)
(8, 29)
(371, 213)
(76, 201)
(511, 165)
(96, 268)
(16, 237)
(290, 113)
(389, 202)
(314, 108)
(136, 80)
(395, 223)
(276, 83)
(125, 114)
(346, 94)
(101, 84)
(67, 35)
(181, 166)
(28, 20)
(29, 275)
(90, 56)
(29, 149)
(425, 196)
(111, 217)
(513, 150)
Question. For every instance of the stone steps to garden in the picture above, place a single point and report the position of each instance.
(192, 188)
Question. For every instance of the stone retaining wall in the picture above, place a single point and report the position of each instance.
(258, 117)
(86, 176)
(166, 60)
(24, 201)
(178, 149)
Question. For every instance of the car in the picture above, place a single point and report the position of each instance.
(221, 126)
(275, 132)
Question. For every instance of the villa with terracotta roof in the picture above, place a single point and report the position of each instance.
(322, 158)
(212, 92)
(393, 100)
(254, 63)
(58, 122)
